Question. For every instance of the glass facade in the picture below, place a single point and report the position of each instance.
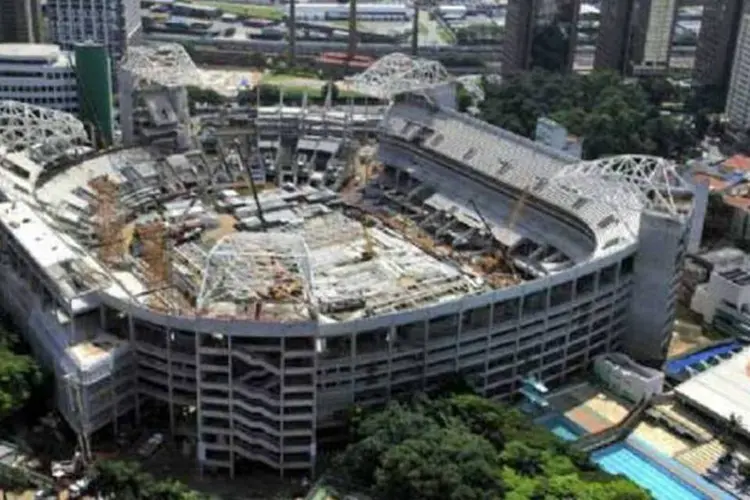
(554, 35)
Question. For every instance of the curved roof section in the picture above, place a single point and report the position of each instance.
(609, 202)
(246, 268)
(168, 65)
(43, 133)
(652, 182)
(397, 73)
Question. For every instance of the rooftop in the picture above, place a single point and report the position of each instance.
(722, 390)
(45, 53)
(632, 183)
(740, 277)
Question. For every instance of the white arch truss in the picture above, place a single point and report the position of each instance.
(635, 182)
(44, 133)
(397, 73)
(168, 65)
(241, 267)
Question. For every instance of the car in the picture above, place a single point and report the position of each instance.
(79, 487)
(45, 494)
(149, 447)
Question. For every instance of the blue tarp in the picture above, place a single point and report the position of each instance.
(677, 366)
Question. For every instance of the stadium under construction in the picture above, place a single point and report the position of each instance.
(258, 291)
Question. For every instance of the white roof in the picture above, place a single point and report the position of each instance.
(40, 242)
(45, 53)
(723, 390)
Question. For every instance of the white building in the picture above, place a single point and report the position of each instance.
(738, 100)
(552, 134)
(659, 34)
(628, 378)
(113, 24)
(38, 74)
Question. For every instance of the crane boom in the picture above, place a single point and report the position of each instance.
(495, 243)
(518, 207)
(251, 181)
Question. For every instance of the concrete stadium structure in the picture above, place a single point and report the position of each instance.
(257, 343)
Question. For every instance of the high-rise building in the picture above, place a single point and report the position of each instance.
(716, 42)
(738, 98)
(38, 74)
(113, 24)
(540, 33)
(658, 35)
(20, 21)
(616, 29)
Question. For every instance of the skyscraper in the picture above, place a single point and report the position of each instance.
(616, 27)
(540, 33)
(20, 21)
(738, 98)
(659, 31)
(716, 42)
(112, 23)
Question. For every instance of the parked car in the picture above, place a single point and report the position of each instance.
(149, 447)
(79, 487)
(45, 494)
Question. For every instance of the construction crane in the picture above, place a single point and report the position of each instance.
(108, 221)
(518, 207)
(291, 26)
(499, 253)
(368, 253)
(250, 180)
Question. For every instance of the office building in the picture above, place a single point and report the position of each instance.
(658, 36)
(38, 74)
(540, 33)
(616, 29)
(113, 24)
(738, 98)
(717, 41)
(20, 21)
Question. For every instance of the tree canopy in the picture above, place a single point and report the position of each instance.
(612, 116)
(19, 374)
(465, 447)
(127, 481)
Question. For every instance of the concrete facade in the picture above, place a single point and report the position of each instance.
(20, 21)
(37, 74)
(738, 98)
(113, 24)
(716, 43)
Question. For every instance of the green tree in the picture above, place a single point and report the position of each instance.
(442, 463)
(199, 95)
(611, 115)
(333, 88)
(19, 375)
(127, 481)
(375, 434)
(463, 446)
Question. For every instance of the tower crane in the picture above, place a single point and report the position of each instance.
(250, 180)
(368, 253)
(498, 249)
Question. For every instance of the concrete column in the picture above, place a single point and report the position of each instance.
(170, 390)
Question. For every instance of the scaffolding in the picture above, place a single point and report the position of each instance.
(108, 219)
(153, 238)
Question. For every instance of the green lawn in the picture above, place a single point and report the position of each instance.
(297, 84)
(258, 11)
(446, 35)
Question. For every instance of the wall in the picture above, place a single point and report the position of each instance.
(662, 248)
(627, 379)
